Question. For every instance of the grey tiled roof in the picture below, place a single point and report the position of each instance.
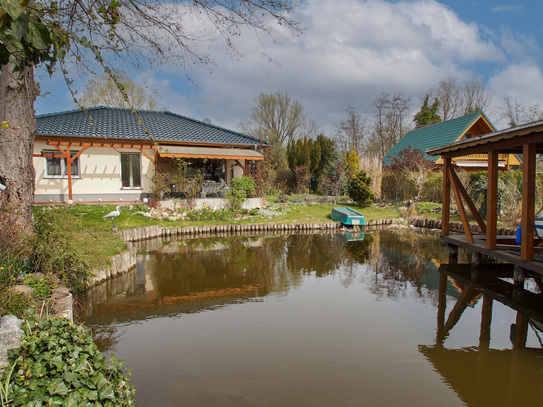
(121, 124)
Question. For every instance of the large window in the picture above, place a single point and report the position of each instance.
(56, 167)
(130, 170)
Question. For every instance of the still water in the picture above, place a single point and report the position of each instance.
(371, 319)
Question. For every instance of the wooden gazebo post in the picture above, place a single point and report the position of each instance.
(492, 201)
(446, 206)
(528, 201)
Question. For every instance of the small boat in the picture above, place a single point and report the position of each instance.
(539, 225)
(347, 216)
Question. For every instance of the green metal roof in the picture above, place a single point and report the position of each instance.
(436, 135)
(120, 124)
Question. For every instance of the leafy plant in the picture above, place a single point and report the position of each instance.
(359, 189)
(240, 190)
(427, 207)
(206, 214)
(190, 186)
(59, 364)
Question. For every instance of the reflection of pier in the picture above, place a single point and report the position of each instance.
(481, 375)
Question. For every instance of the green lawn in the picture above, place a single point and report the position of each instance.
(91, 215)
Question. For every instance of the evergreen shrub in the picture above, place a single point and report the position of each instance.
(359, 189)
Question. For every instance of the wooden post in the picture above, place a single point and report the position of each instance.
(442, 303)
(492, 201)
(486, 321)
(528, 201)
(521, 330)
(69, 169)
(446, 207)
(461, 210)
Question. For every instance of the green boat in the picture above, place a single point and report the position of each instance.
(347, 216)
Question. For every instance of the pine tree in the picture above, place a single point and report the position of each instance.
(427, 114)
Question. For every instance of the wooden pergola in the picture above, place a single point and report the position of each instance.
(525, 141)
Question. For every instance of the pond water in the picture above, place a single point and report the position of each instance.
(371, 319)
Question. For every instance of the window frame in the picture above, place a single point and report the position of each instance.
(63, 167)
(131, 177)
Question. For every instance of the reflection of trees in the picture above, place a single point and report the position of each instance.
(317, 254)
(402, 259)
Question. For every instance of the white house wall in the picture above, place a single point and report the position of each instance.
(100, 179)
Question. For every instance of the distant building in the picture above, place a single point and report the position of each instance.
(450, 131)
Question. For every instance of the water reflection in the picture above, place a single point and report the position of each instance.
(320, 320)
(190, 275)
(479, 374)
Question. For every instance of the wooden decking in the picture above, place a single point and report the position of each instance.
(506, 250)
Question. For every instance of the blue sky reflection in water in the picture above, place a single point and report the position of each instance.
(308, 320)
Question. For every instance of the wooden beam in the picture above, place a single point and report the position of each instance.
(145, 154)
(468, 294)
(492, 201)
(244, 167)
(486, 322)
(468, 201)
(521, 331)
(528, 202)
(446, 206)
(69, 170)
(461, 210)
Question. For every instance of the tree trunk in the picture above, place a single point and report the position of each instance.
(18, 91)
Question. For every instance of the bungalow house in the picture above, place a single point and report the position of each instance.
(111, 154)
(450, 131)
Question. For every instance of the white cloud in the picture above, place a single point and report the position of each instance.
(523, 82)
(352, 51)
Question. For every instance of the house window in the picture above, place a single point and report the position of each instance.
(130, 170)
(55, 167)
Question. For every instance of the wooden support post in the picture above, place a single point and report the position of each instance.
(528, 201)
(492, 201)
(453, 254)
(519, 275)
(446, 206)
(521, 331)
(476, 259)
(468, 201)
(486, 321)
(442, 303)
(69, 169)
(461, 210)
(468, 294)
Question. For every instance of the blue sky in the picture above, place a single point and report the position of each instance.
(352, 51)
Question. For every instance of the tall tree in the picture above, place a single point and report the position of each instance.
(427, 114)
(47, 32)
(315, 155)
(104, 91)
(458, 99)
(351, 133)
(390, 122)
(279, 120)
(518, 113)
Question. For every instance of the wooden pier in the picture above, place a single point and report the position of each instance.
(525, 141)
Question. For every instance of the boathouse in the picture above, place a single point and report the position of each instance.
(525, 141)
